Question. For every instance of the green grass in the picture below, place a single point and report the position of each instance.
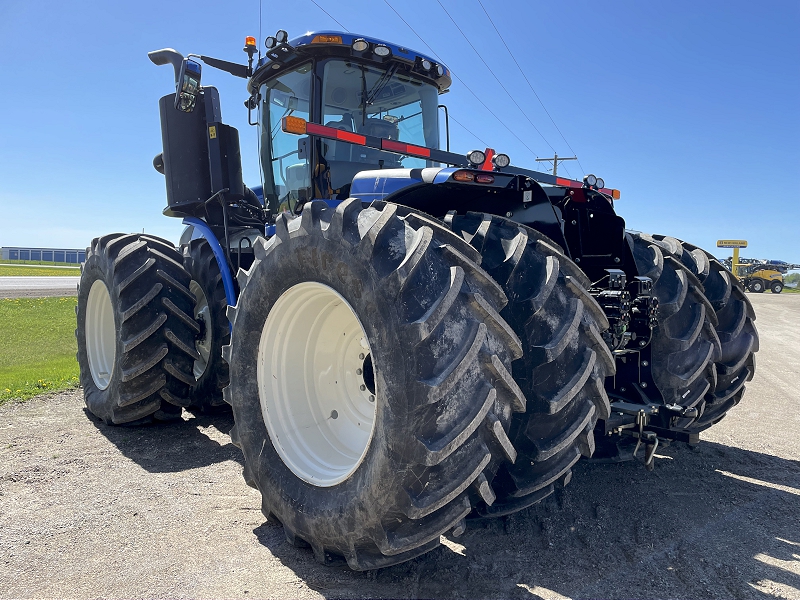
(37, 351)
(37, 262)
(23, 271)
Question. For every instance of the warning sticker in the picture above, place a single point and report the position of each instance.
(731, 243)
(212, 132)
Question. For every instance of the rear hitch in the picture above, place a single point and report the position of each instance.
(634, 420)
(649, 438)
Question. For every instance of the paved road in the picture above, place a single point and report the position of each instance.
(27, 266)
(36, 287)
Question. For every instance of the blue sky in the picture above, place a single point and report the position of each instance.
(689, 108)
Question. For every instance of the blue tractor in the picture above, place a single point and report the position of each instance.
(407, 337)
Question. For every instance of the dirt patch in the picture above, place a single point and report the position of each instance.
(90, 510)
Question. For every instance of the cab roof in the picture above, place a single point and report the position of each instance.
(338, 43)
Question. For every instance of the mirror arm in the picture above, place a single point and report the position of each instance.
(234, 69)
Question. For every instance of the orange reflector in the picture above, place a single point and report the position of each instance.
(615, 194)
(294, 125)
(484, 178)
(249, 41)
(327, 39)
(464, 176)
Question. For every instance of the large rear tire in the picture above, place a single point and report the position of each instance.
(370, 382)
(210, 370)
(135, 330)
(565, 360)
(735, 328)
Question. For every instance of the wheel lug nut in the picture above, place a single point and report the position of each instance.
(362, 387)
(358, 371)
(372, 398)
(361, 356)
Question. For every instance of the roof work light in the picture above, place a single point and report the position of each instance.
(476, 157)
(501, 160)
(360, 45)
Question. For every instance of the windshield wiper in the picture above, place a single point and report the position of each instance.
(368, 97)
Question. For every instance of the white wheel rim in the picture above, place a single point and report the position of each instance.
(101, 334)
(317, 402)
(203, 345)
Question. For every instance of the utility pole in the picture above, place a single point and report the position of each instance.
(555, 160)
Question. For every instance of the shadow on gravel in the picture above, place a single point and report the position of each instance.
(707, 523)
(175, 446)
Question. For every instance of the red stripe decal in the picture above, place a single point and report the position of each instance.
(568, 182)
(315, 129)
(337, 134)
(405, 148)
(348, 136)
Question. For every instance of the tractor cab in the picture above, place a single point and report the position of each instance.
(359, 86)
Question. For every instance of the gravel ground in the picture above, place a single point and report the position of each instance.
(95, 511)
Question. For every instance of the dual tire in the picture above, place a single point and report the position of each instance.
(209, 369)
(135, 330)
(565, 360)
(702, 352)
(734, 326)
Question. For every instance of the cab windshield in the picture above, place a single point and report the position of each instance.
(370, 101)
(353, 97)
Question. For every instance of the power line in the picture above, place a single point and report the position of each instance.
(423, 41)
(485, 145)
(330, 15)
(555, 160)
(478, 54)
(511, 54)
(436, 56)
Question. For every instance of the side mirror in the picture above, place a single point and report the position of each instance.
(188, 85)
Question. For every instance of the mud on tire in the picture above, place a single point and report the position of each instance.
(565, 360)
(135, 330)
(442, 392)
(210, 370)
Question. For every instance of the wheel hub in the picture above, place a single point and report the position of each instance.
(316, 384)
(203, 316)
(101, 334)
